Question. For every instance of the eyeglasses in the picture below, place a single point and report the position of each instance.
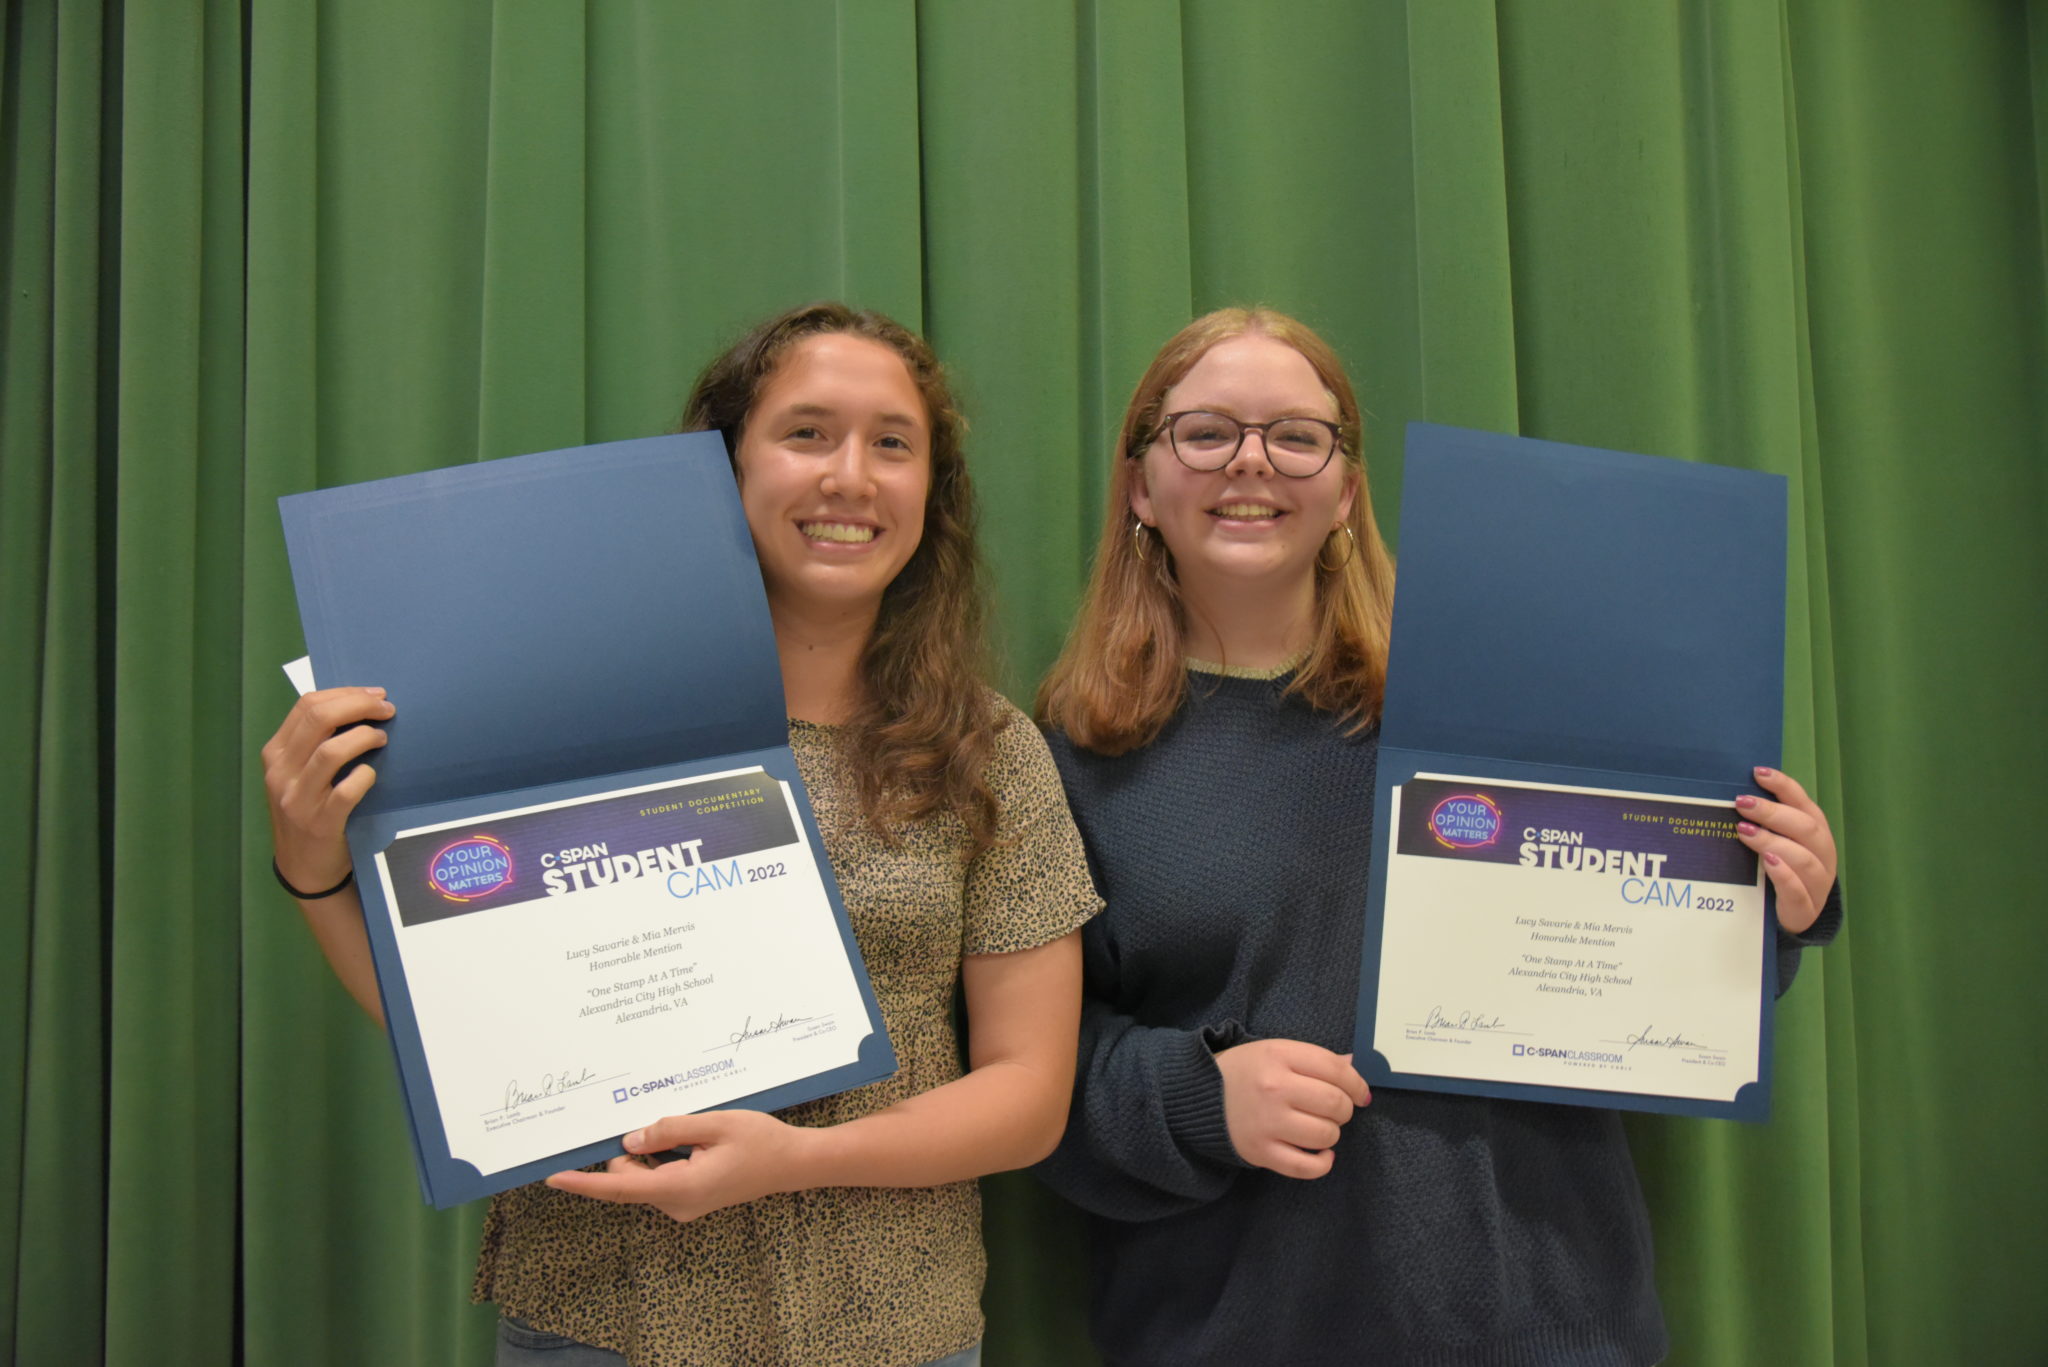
(1295, 447)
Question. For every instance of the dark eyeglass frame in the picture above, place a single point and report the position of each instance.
(1167, 420)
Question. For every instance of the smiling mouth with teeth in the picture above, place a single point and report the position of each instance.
(845, 532)
(1244, 510)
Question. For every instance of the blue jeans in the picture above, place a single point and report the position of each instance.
(521, 1345)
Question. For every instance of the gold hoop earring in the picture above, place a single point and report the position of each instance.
(1138, 537)
(1351, 553)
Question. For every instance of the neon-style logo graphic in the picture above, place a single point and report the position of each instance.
(472, 867)
(1466, 821)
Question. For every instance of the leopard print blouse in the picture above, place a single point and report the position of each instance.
(861, 1276)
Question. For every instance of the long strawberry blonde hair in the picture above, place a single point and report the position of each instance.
(1123, 672)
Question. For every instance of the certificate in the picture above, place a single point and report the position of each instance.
(592, 882)
(1569, 937)
(589, 966)
(1587, 660)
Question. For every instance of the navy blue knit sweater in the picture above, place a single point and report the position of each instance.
(1452, 1230)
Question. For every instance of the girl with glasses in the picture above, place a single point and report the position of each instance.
(845, 1230)
(1214, 716)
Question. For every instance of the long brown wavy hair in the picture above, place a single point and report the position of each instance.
(920, 738)
(1123, 671)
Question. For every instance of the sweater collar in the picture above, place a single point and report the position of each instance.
(1226, 671)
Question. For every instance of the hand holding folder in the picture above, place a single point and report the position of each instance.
(1587, 661)
(592, 882)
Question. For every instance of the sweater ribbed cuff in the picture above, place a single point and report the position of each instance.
(1825, 926)
(1191, 1094)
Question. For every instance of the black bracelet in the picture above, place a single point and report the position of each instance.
(309, 896)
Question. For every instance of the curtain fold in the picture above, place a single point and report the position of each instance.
(258, 246)
(998, 95)
(173, 1035)
(28, 116)
(530, 392)
(1465, 319)
(1922, 223)
(1136, 286)
(52, 398)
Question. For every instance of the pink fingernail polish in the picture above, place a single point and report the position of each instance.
(1772, 859)
(1745, 827)
(1746, 801)
(1762, 772)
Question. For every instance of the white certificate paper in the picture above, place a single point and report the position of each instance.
(578, 969)
(1569, 937)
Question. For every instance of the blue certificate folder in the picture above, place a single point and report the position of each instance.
(550, 626)
(1584, 617)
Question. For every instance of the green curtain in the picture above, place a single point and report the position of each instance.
(256, 246)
